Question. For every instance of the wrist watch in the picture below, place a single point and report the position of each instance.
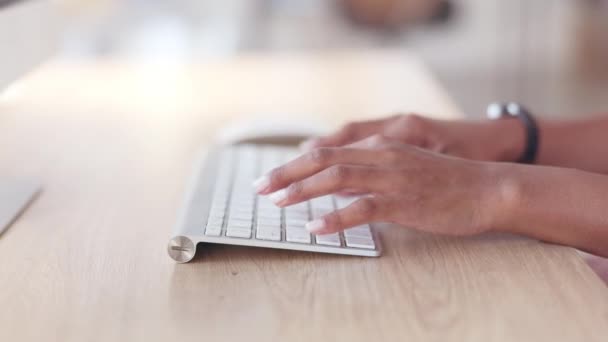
(512, 110)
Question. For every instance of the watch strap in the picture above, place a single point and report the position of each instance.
(514, 110)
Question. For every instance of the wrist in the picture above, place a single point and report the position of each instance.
(504, 193)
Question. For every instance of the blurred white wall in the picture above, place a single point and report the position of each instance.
(536, 52)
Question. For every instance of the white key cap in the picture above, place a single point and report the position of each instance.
(214, 229)
(325, 202)
(244, 214)
(215, 221)
(359, 231)
(329, 239)
(270, 221)
(268, 233)
(321, 206)
(217, 215)
(220, 197)
(320, 212)
(359, 242)
(297, 235)
(268, 210)
(296, 213)
(214, 226)
(296, 222)
(239, 224)
(218, 208)
(238, 232)
(269, 214)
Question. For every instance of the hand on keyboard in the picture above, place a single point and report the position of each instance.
(403, 184)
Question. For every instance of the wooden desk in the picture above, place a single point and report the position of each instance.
(114, 143)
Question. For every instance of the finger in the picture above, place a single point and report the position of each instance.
(332, 180)
(311, 163)
(376, 141)
(412, 129)
(347, 134)
(364, 210)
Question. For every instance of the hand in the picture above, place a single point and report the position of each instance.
(501, 140)
(403, 184)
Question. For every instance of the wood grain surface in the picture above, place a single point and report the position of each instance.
(114, 142)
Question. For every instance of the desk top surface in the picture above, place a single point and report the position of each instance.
(114, 143)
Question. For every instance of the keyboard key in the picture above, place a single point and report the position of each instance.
(214, 227)
(269, 215)
(213, 230)
(269, 221)
(241, 213)
(268, 233)
(329, 239)
(238, 232)
(296, 222)
(359, 231)
(321, 206)
(218, 207)
(320, 212)
(359, 242)
(236, 223)
(215, 221)
(296, 215)
(323, 202)
(297, 235)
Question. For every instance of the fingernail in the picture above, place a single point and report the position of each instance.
(261, 183)
(279, 196)
(315, 226)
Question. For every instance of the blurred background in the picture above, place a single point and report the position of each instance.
(549, 54)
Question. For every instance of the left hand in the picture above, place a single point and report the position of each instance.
(402, 184)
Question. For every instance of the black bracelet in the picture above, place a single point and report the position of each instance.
(514, 110)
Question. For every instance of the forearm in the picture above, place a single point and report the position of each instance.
(558, 205)
(581, 144)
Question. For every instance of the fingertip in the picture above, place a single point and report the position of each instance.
(262, 184)
(279, 198)
(317, 226)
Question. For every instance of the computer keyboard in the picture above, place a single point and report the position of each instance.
(222, 207)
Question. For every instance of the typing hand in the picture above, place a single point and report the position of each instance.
(501, 140)
(402, 184)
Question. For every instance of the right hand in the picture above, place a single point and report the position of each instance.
(501, 140)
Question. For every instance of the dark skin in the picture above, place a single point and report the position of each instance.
(456, 177)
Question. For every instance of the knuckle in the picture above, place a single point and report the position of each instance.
(396, 116)
(378, 140)
(350, 127)
(349, 130)
(295, 190)
(367, 207)
(277, 175)
(413, 122)
(339, 173)
(320, 156)
(333, 220)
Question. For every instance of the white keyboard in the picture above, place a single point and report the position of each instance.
(222, 207)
